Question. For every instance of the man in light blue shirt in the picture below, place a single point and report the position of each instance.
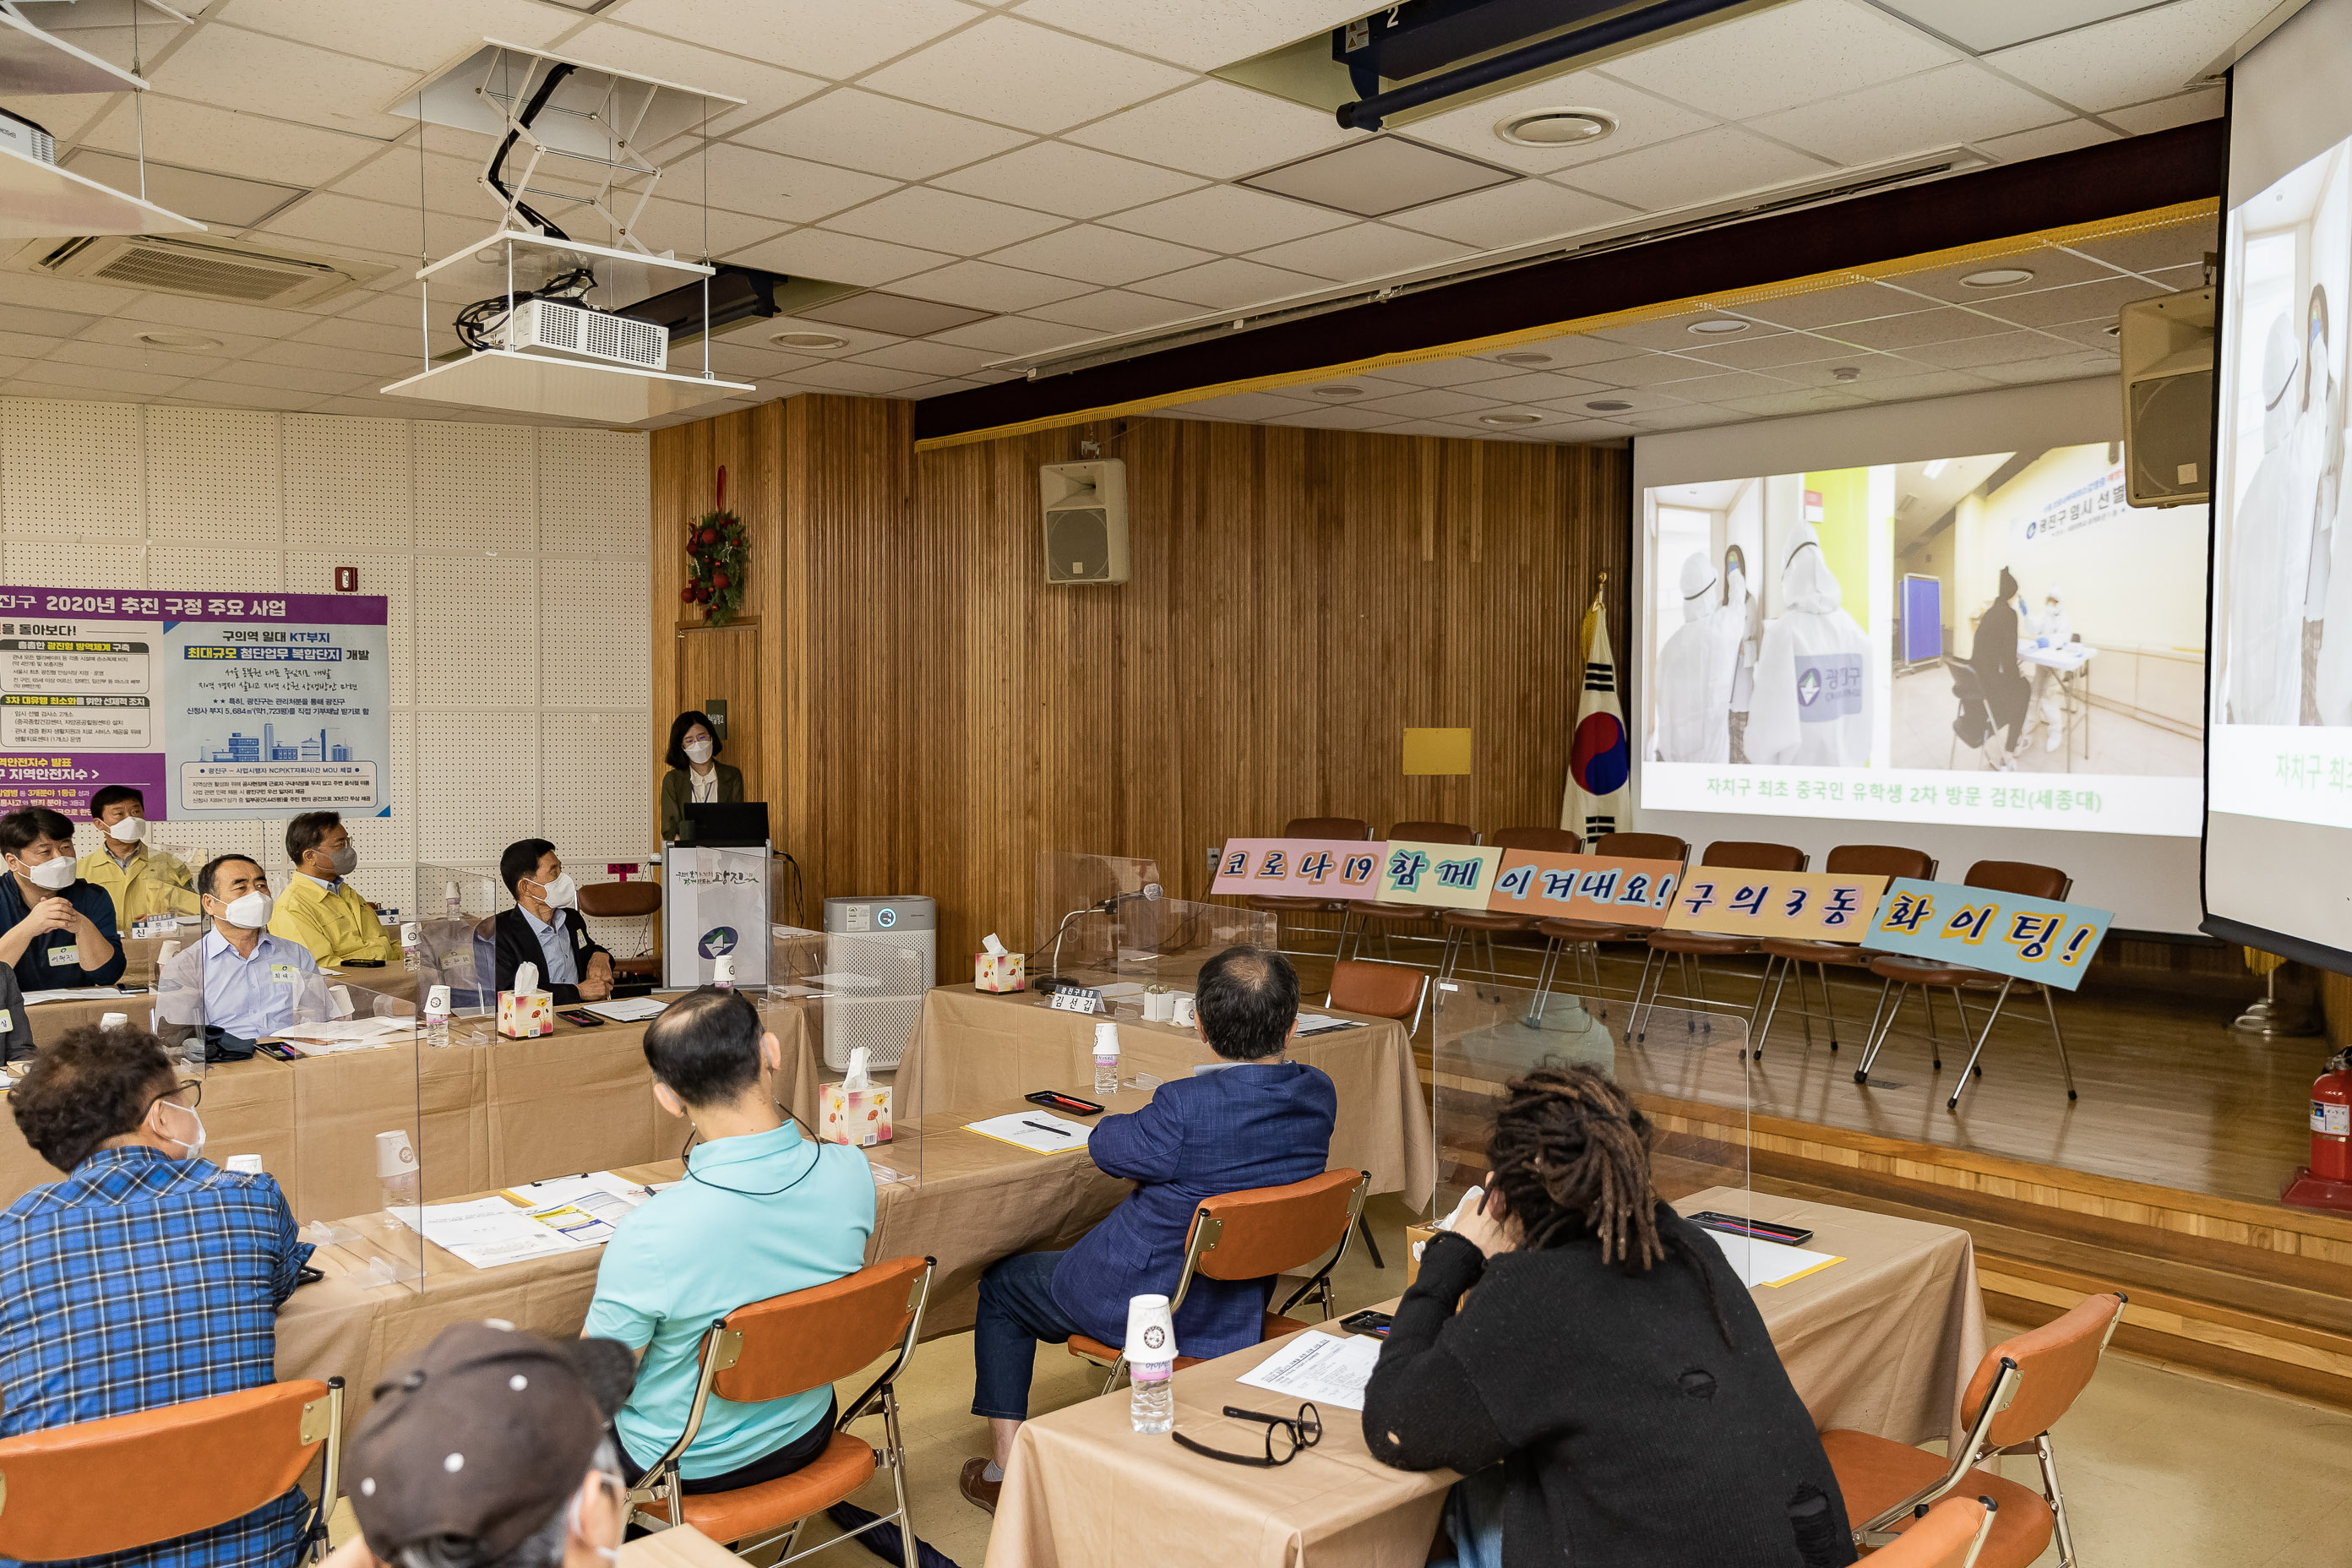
(544, 929)
(252, 983)
(762, 1212)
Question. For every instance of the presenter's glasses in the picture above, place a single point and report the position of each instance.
(1284, 1435)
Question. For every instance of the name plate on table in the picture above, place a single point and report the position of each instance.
(1443, 875)
(1584, 888)
(1298, 868)
(2008, 933)
(1076, 999)
(1812, 906)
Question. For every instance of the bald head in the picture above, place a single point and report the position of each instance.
(1248, 1001)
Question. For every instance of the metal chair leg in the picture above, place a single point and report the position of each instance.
(2057, 1500)
(1960, 1005)
(1936, 1041)
(1757, 1007)
(1365, 1227)
(2050, 1005)
(1885, 1028)
(1760, 1036)
(1639, 1022)
(1954, 1103)
(1829, 1006)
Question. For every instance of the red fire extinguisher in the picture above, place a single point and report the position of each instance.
(2331, 1120)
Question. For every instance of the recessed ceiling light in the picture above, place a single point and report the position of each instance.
(1341, 393)
(1510, 419)
(1524, 356)
(1718, 326)
(2113, 330)
(809, 341)
(1609, 405)
(1998, 278)
(178, 340)
(1846, 372)
(1555, 127)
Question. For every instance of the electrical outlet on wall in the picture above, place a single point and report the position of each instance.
(1213, 851)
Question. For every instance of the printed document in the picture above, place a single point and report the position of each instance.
(1320, 1368)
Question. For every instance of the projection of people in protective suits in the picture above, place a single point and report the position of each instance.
(1694, 672)
(2053, 629)
(1740, 606)
(1812, 702)
(2269, 552)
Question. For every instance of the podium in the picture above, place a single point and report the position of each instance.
(714, 906)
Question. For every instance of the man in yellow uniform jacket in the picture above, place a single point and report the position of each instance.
(318, 908)
(141, 880)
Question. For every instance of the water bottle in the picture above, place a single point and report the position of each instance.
(411, 938)
(1106, 1057)
(1150, 1365)
(437, 1016)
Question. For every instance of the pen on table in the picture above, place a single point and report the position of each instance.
(1043, 1128)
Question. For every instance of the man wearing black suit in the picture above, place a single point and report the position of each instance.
(545, 930)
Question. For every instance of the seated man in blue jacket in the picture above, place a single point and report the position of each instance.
(1252, 1119)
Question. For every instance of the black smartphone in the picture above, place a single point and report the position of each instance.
(279, 1048)
(582, 1016)
(1368, 1321)
(1761, 1230)
(1071, 1104)
(359, 963)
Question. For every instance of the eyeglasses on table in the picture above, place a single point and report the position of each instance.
(1285, 1436)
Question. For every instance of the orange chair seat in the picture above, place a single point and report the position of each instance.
(1928, 971)
(1590, 931)
(1474, 920)
(1875, 1473)
(1290, 906)
(1378, 911)
(846, 1465)
(1701, 943)
(1274, 1328)
(1805, 951)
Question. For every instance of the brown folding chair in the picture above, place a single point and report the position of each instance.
(2021, 1389)
(1343, 828)
(1949, 1535)
(1791, 954)
(1464, 927)
(1253, 1235)
(625, 901)
(1381, 991)
(126, 1481)
(1897, 971)
(1691, 949)
(1362, 916)
(1583, 935)
(773, 1350)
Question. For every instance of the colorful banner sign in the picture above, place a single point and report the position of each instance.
(1811, 905)
(1443, 875)
(2008, 933)
(211, 705)
(1298, 869)
(1584, 888)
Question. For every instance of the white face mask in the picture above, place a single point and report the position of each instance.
(195, 1148)
(56, 874)
(697, 751)
(249, 911)
(562, 893)
(129, 830)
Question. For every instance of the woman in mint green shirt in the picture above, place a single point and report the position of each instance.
(762, 1212)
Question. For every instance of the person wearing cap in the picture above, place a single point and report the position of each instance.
(147, 1276)
(142, 881)
(56, 930)
(488, 1450)
(762, 1212)
(251, 984)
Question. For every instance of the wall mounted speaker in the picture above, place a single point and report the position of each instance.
(2166, 346)
(1084, 511)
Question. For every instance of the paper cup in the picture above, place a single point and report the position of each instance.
(1150, 1332)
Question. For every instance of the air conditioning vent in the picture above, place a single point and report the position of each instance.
(202, 270)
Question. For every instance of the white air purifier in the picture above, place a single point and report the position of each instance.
(881, 954)
(552, 326)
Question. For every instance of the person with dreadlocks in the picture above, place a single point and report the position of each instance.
(1608, 1390)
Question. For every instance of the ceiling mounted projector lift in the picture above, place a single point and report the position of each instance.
(38, 200)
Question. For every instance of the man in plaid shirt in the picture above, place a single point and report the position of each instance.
(147, 1277)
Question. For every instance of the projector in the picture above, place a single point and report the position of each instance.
(25, 139)
(551, 326)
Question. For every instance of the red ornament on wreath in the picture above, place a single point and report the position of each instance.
(717, 551)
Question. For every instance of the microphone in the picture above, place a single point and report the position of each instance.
(1149, 892)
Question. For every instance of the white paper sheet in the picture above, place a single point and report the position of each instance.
(348, 1034)
(1035, 1130)
(1118, 989)
(484, 1232)
(1758, 1262)
(1320, 1368)
(1323, 1024)
(78, 993)
(628, 1010)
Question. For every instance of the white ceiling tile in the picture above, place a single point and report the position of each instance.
(1539, 386)
(1633, 400)
(765, 89)
(1589, 432)
(1114, 310)
(1214, 129)
(1251, 405)
(2164, 113)
(290, 378)
(373, 336)
(930, 359)
(257, 74)
(217, 318)
(841, 376)
(123, 331)
(770, 184)
(1432, 403)
(2063, 137)
(1714, 164)
(842, 258)
(39, 289)
(1547, 421)
(1095, 255)
(856, 340)
(943, 220)
(824, 38)
(1076, 181)
(142, 384)
(330, 357)
(880, 135)
(63, 117)
(331, 222)
(1348, 418)
(1010, 335)
(1689, 416)
(1781, 56)
(1514, 215)
(230, 395)
(199, 136)
(939, 388)
(1953, 104)
(1016, 73)
(1674, 334)
(1444, 372)
(1201, 34)
(984, 285)
(1228, 218)
(2131, 60)
(2064, 367)
(1641, 118)
(1360, 251)
(1983, 25)
(141, 358)
(2002, 348)
(683, 226)
(418, 34)
(1227, 284)
(1644, 370)
(391, 174)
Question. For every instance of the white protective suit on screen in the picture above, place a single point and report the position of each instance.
(2051, 628)
(2269, 554)
(1811, 705)
(1694, 670)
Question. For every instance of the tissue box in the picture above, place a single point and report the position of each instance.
(1415, 1236)
(526, 1015)
(999, 972)
(859, 1118)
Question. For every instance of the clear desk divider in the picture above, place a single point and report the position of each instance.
(1687, 1072)
(830, 994)
(1074, 891)
(359, 1180)
(176, 1010)
(457, 941)
(714, 906)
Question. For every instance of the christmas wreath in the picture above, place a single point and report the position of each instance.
(715, 551)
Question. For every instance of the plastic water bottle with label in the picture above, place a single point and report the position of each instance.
(1150, 1365)
(1106, 1057)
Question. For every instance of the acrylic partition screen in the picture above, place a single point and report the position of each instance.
(457, 941)
(828, 996)
(1071, 888)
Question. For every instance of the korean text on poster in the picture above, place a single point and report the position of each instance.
(1442, 876)
(2032, 939)
(1584, 888)
(1811, 905)
(1298, 867)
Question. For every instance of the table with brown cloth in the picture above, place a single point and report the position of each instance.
(973, 1046)
(481, 1116)
(51, 1019)
(1880, 1341)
